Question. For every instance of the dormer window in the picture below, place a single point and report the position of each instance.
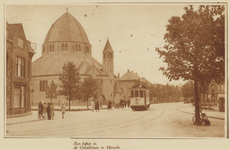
(44, 49)
(87, 49)
(20, 42)
(50, 48)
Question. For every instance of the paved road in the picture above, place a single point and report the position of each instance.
(160, 121)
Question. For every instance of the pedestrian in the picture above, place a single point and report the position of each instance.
(109, 105)
(44, 110)
(97, 106)
(125, 103)
(92, 105)
(116, 105)
(128, 103)
(52, 111)
(48, 111)
(40, 110)
(62, 109)
(121, 103)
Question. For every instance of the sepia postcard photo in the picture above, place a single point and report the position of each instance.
(115, 75)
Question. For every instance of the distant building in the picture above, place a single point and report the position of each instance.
(125, 83)
(18, 70)
(215, 95)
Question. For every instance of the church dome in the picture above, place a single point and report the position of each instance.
(66, 29)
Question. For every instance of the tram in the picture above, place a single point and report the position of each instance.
(139, 98)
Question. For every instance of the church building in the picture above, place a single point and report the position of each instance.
(67, 41)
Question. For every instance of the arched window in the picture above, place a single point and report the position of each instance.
(53, 48)
(66, 47)
(79, 48)
(104, 55)
(76, 48)
(110, 55)
(41, 87)
(50, 48)
(44, 85)
(63, 47)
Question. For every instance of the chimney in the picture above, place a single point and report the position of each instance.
(128, 70)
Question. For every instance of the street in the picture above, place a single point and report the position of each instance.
(160, 121)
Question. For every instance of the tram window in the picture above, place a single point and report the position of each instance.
(141, 93)
(132, 94)
(136, 93)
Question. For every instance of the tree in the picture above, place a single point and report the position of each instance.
(188, 89)
(203, 88)
(70, 81)
(138, 82)
(88, 88)
(194, 48)
(51, 91)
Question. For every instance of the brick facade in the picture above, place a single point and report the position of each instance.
(18, 70)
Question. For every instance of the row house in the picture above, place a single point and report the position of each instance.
(19, 55)
(215, 95)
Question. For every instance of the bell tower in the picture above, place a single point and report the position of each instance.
(108, 59)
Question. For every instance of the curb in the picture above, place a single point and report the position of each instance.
(19, 115)
(207, 116)
(24, 122)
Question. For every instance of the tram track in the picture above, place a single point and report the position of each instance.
(100, 123)
(127, 123)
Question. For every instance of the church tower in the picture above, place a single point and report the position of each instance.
(108, 59)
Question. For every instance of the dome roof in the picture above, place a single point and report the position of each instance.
(66, 28)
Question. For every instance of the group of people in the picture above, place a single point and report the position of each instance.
(121, 104)
(48, 110)
(95, 106)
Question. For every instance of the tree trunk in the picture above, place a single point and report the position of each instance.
(87, 102)
(69, 104)
(204, 96)
(197, 108)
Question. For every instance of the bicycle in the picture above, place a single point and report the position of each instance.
(203, 118)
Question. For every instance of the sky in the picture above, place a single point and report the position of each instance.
(134, 31)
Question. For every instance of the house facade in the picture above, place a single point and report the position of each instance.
(215, 95)
(19, 55)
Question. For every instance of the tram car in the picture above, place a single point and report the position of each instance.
(139, 98)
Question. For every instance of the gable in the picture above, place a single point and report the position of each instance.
(17, 31)
(93, 71)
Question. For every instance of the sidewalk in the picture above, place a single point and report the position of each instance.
(34, 114)
(188, 108)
